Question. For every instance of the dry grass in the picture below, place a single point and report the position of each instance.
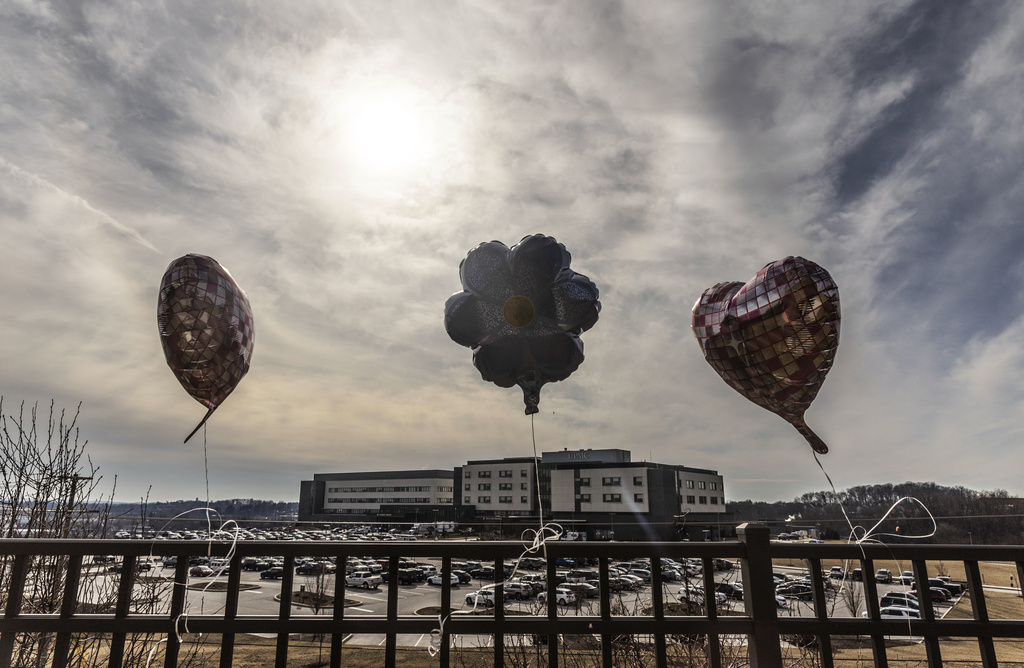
(992, 573)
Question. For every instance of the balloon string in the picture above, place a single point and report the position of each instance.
(206, 471)
(868, 535)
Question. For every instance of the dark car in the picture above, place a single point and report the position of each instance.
(463, 576)
(273, 573)
(731, 589)
(799, 590)
(409, 575)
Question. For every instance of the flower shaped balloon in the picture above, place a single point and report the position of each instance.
(206, 329)
(773, 338)
(522, 310)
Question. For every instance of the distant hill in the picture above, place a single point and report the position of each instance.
(961, 515)
(158, 514)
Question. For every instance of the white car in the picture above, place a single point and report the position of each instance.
(364, 579)
(438, 579)
(481, 598)
(696, 595)
(562, 597)
(896, 612)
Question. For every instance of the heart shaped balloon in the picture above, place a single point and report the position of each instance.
(773, 338)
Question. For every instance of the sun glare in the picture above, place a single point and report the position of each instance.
(389, 133)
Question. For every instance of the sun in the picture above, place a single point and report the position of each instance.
(390, 132)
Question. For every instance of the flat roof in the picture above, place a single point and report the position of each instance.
(387, 475)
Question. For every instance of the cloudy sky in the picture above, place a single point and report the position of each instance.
(341, 158)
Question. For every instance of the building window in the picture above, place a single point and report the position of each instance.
(523, 486)
(611, 482)
(483, 499)
(639, 498)
(612, 498)
(703, 500)
(584, 498)
(689, 484)
(523, 473)
(505, 485)
(701, 484)
(522, 499)
(504, 499)
(469, 474)
(691, 499)
(505, 474)
(638, 481)
(483, 474)
(714, 500)
(467, 500)
(584, 482)
(714, 485)
(468, 487)
(484, 487)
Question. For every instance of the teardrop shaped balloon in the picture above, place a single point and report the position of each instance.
(773, 338)
(206, 329)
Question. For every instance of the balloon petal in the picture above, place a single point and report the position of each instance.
(470, 320)
(486, 272)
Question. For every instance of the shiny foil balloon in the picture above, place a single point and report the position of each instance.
(206, 329)
(522, 310)
(773, 338)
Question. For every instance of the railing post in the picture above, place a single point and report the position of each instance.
(759, 596)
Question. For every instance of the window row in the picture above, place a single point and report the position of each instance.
(487, 499)
(398, 499)
(503, 473)
(702, 484)
(362, 490)
(611, 498)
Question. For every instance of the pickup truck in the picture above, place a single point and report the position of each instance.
(364, 579)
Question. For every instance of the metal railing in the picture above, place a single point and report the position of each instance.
(759, 621)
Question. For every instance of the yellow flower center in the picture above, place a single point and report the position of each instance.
(518, 311)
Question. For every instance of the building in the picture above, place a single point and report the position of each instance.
(377, 496)
(601, 494)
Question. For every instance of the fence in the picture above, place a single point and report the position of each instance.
(759, 623)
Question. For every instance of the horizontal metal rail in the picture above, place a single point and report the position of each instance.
(759, 621)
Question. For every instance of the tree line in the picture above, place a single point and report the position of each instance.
(961, 515)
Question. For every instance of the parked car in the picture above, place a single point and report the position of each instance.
(582, 589)
(200, 571)
(463, 576)
(904, 595)
(409, 575)
(364, 579)
(437, 579)
(837, 573)
(723, 565)
(562, 596)
(938, 594)
(314, 568)
(883, 575)
(896, 612)
(799, 590)
(518, 590)
(887, 601)
(696, 595)
(907, 578)
(272, 573)
(481, 598)
(731, 589)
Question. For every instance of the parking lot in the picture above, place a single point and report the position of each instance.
(260, 596)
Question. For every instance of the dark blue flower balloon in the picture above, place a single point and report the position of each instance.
(522, 310)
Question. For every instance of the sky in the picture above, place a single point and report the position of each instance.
(341, 158)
